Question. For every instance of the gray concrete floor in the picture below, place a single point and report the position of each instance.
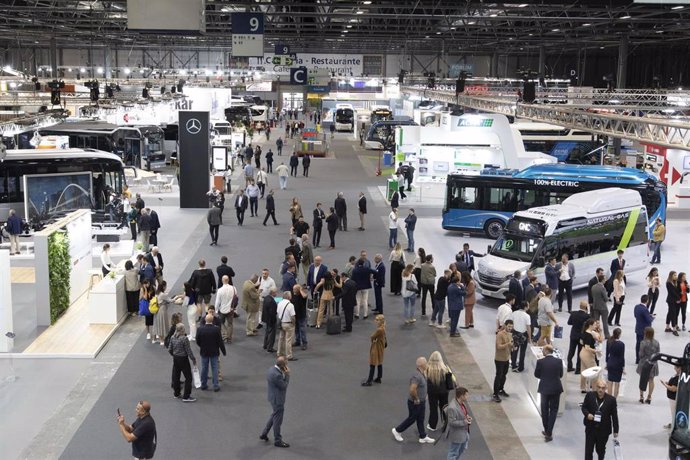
(328, 414)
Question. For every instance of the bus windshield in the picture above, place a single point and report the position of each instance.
(514, 246)
(344, 115)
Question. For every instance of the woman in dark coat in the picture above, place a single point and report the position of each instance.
(615, 361)
(376, 350)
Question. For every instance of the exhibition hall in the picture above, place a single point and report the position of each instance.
(344, 229)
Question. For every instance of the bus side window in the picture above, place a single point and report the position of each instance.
(501, 199)
(465, 197)
(556, 198)
(526, 199)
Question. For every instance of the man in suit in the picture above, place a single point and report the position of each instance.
(566, 274)
(210, 342)
(348, 296)
(224, 270)
(600, 310)
(241, 203)
(362, 205)
(515, 287)
(465, 259)
(213, 219)
(549, 371)
(317, 225)
(551, 275)
(601, 412)
(379, 282)
(459, 421)
(270, 208)
(616, 264)
(156, 260)
(278, 379)
(155, 225)
(317, 270)
(643, 320)
(269, 311)
(340, 207)
(594, 280)
(577, 319)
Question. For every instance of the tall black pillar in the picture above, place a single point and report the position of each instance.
(194, 160)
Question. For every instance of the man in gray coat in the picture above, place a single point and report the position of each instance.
(600, 310)
(213, 219)
(278, 379)
(459, 421)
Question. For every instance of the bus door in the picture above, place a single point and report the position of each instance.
(133, 151)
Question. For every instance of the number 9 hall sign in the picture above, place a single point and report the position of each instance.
(247, 34)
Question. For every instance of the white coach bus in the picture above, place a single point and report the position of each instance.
(589, 227)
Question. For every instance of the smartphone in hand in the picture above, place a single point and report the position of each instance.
(118, 412)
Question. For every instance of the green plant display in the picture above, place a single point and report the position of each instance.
(59, 268)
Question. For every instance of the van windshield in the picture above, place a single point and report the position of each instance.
(516, 247)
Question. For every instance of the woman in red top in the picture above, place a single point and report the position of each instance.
(683, 288)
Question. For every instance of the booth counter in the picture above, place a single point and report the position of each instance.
(107, 302)
(533, 355)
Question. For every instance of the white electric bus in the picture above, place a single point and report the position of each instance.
(589, 227)
(344, 118)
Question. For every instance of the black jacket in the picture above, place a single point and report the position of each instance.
(294, 160)
(395, 199)
(203, 281)
(441, 288)
(269, 311)
(270, 203)
(609, 412)
(244, 204)
(549, 371)
(210, 340)
(515, 288)
(362, 203)
(149, 258)
(590, 285)
(223, 270)
(319, 216)
(577, 320)
(340, 206)
(348, 294)
(155, 222)
(332, 222)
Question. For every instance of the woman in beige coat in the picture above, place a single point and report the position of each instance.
(378, 345)
(470, 298)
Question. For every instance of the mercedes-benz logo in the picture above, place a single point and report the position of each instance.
(193, 126)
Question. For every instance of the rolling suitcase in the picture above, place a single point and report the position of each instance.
(312, 312)
(333, 323)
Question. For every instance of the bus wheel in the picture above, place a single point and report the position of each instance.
(493, 228)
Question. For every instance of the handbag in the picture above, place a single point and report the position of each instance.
(197, 377)
(153, 306)
(558, 332)
(411, 286)
(450, 381)
(617, 450)
(143, 307)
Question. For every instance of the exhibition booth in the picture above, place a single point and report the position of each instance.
(463, 143)
(75, 309)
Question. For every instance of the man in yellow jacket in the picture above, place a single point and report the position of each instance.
(658, 236)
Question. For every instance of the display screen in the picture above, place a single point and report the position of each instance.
(476, 122)
(50, 196)
(532, 227)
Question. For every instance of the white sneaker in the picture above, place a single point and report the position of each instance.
(431, 323)
(441, 326)
(396, 435)
(426, 440)
(148, 336)
(429, 428)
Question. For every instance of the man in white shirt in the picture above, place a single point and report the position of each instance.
(226, 309)
(505, 311)
(522, 331)
(286, 321)
(393, 228)
(265, 284)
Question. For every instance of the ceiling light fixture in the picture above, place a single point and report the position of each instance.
(359, 12)
(679, 7)
(493, 15)
(349, 26)
(522, 5)
(452, 28)
(555, 30)
(586, 24)
(471, 23)
(438, 33)
(627, 16)
(367, 2)
(82, 70)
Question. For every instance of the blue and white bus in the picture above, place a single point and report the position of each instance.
(483, 202)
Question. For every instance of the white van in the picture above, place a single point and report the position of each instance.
(589, 226)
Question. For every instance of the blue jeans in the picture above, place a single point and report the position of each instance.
(456, 449)
(392, 237)
(454, 317)
(283, 182)
(214, 371)
(656, 257)
(410, 239)
(409, 306)
(301, 332)
(437, 313)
